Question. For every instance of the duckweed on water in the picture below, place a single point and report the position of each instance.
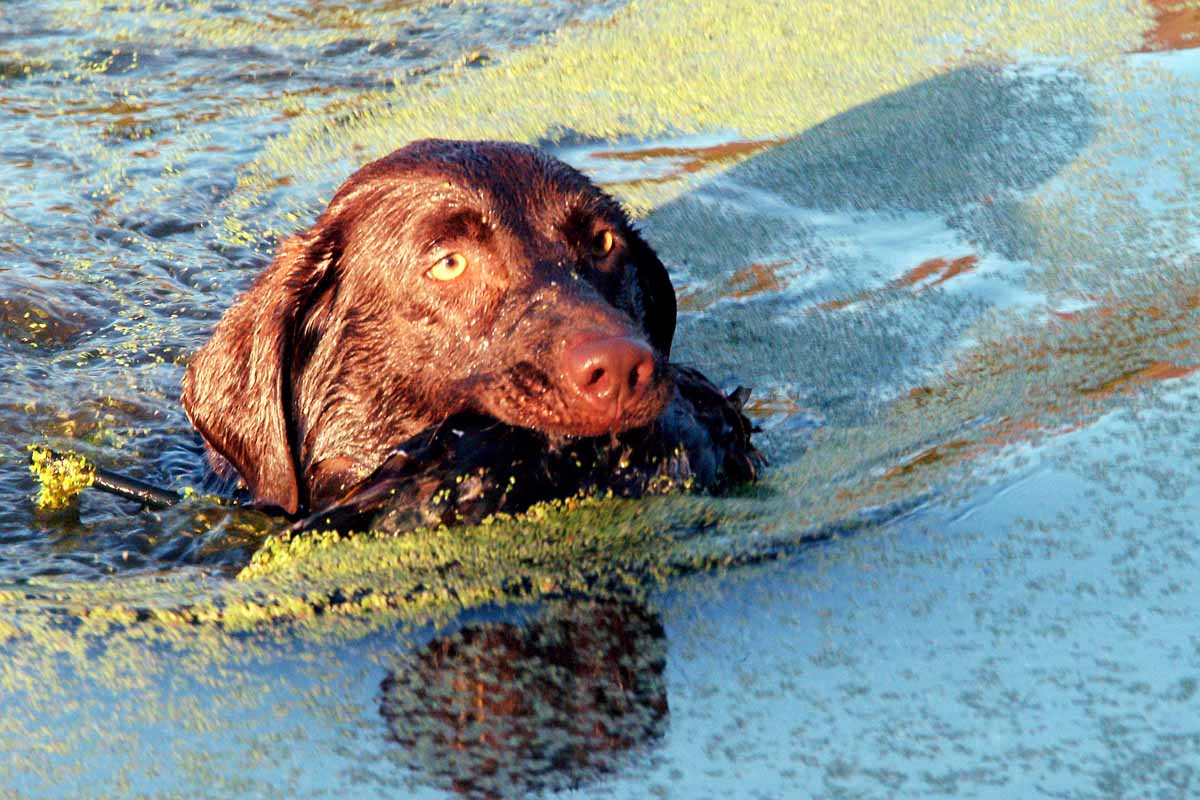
(61, 476)
(554, 548)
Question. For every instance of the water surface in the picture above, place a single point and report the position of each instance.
(954, 249)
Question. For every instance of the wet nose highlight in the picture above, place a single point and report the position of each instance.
(610, 373)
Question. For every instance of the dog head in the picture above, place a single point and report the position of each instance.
(446, 277)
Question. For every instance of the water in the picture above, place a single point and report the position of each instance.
(954, 249)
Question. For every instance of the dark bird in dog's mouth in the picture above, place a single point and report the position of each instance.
(469, 328)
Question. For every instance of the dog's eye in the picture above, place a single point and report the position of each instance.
(448, 268)
(602, 243)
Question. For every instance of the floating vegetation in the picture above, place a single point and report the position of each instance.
(61, 477)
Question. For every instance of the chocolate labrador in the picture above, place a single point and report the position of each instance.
(458, 306)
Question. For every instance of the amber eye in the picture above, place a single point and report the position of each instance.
(448, 268)
(602, 243)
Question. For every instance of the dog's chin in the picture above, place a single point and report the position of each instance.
(566, 419)
(586, 427)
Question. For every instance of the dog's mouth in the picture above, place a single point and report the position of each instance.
(527, 397)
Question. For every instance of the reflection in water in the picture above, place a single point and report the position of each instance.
(502, 710)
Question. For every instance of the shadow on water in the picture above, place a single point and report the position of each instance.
(962, 137)
(950, 158)
(502, 709)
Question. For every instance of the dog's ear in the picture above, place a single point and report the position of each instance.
(658, 295)
(238, 390)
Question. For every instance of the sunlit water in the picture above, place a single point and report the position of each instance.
(954, 251)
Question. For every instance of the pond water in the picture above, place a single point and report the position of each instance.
(955, 249)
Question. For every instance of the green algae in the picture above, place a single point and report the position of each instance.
(561, 548)
(61, 477)
(553, 547)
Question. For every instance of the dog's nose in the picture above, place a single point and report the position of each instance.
(611, 373)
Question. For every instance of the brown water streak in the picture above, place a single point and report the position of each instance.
(755, 279)
(1108, 330)
(694, 159)
(945, 270)
(1177, 26)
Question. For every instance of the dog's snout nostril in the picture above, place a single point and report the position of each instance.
(611, 374)
(641, 374)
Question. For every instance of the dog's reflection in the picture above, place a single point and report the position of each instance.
(505, 710)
